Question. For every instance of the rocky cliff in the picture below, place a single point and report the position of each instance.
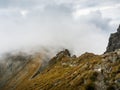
(114, 41)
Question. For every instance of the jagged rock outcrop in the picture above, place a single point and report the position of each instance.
(114, 41)
(59, 56)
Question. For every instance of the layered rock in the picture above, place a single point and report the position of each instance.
(114, 41)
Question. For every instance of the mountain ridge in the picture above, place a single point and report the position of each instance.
(64, 71)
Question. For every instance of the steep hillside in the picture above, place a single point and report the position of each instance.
(16, 68)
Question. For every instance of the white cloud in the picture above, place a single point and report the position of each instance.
(31, 23)
(24, 13)
(85, 11)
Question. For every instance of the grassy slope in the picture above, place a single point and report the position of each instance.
(24, 75)
(87, 72)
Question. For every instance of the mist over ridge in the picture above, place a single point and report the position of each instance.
(75, 24)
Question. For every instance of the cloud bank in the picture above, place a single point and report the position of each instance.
(79, 25)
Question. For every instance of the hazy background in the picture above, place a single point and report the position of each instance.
(79, 25)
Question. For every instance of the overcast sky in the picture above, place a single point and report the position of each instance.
(79, 25)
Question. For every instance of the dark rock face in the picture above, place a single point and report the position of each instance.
(114, 41)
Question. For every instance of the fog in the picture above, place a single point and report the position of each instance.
(30, 25)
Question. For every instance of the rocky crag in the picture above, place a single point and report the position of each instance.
(114, 41)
